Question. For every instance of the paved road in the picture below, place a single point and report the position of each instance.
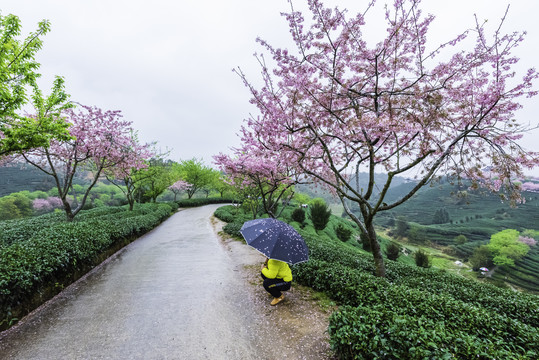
(172, 294)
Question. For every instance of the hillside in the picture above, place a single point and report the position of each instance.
(21, 177)
(412, 313)
(467, 208)
(476, 215)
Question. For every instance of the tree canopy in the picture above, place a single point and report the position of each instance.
(19, 74)
(100, 141)
(336, 105)
(506, 247)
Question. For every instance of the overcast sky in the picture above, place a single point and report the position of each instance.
(167, 65)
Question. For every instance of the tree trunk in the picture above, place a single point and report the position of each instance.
(67, 209)
(376, 251)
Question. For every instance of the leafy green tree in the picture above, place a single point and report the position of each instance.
(441, 216)
(18, 72)
(461, 239)
(8, 209)
(302, 198)
(23, 203)
(319, 213)
(481, 257)
(222, 186)
(195, 173)
(19, 204)
(215, 182)
(157, 178)
(506, 248)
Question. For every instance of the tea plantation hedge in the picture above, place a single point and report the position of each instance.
(415, 313)
(202, 201)
(38, 256)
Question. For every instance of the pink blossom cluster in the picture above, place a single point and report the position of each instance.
(527, 240)
(180, 186)
(336, 104)
(262, 175)
(247, 170)
(48, 204)
(530, 186)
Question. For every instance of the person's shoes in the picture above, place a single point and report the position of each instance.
(275, 301)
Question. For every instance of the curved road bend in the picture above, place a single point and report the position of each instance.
(172, 294)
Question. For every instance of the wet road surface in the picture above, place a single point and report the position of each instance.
(174, 293)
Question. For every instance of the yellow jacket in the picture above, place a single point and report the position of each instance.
(277, 269)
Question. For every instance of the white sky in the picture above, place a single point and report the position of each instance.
(167, 65)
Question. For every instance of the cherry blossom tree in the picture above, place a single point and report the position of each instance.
(48, 204)
(101, 140)
(179, 186)
(338, 105)
(128, 174)
(270, 179)
(195, 173)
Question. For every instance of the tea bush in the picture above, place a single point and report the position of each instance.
(203, 201)
(415, 313)
(233, 228)
(407, 306)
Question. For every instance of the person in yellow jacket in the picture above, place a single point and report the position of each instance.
(277, 278)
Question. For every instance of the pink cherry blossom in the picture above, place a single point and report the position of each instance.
(102, 141)
(335, 106)
(179, 186)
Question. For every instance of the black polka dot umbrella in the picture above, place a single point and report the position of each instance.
(276, 240)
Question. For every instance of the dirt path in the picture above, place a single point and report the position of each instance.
(179, 292)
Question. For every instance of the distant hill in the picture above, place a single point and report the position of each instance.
(22, 176)
(476, 215)
(321, 192)
(466, 208)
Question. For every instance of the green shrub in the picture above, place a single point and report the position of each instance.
(202, 201)
(233, 228)
(422, 259)
(393, 251)
(343, 233)
(319, 214)
(298, 215)
(460, 240)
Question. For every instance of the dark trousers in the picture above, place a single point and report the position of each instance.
(275, 286)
